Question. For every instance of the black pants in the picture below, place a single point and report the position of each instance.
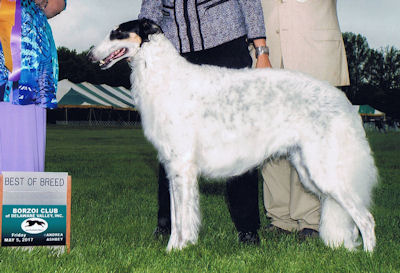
(242, 191)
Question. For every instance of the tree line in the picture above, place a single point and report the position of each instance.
(374, 73)
(77, 68)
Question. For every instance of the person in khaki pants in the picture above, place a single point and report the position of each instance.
(302, 35)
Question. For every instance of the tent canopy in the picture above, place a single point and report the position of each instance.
(366, 110)
(83, 95)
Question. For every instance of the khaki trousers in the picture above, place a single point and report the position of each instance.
(288, 204)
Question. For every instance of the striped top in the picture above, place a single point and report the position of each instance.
(194, 25)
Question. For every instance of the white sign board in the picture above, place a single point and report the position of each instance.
(35, 209)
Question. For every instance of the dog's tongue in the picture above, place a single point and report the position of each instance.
(116, 54)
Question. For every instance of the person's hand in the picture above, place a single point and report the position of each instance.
(51, 8)
(42, 4)
(263, 61)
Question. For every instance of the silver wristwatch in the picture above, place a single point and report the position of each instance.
(261, 50)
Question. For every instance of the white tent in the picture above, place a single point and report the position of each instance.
(85, 94)
(86, 102)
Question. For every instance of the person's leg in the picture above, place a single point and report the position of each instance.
(242, 197)
(276, 175)
(304, 207)
(242, 191)
(164, 210)
(41, 116)
(22, 137)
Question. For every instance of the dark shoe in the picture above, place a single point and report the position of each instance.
(249, 237)
(278, 230)
(161, 232)
(308, 233)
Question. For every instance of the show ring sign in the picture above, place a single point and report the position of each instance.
(35, 209)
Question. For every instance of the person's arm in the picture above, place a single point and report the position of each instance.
(262, 59)
(254, 20)
(151, 9)
(51, 7)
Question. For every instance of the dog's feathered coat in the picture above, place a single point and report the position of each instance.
(218, 122)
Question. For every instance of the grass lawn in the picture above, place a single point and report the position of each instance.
(114, 206)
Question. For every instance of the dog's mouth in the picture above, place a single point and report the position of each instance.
(117, 54)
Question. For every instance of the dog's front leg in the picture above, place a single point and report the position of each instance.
(185, 213)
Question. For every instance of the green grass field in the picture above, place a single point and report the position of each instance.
(114, 206)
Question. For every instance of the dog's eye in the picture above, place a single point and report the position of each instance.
(117, 34)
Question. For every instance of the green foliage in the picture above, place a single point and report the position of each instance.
(77, 68)
(374, 74)
(114, 207)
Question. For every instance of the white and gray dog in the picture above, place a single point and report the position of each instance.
(220, 122)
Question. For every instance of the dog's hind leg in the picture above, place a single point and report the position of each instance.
(341, 214)
(185, 212)
(351, 174)
(336, 226)
(343, 211)
(342, 208)
(360, 214)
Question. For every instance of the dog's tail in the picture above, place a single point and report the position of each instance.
(357, 175)
(358, 160)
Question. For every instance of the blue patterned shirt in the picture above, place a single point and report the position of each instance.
(39, 63)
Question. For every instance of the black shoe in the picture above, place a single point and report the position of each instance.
(306, 233)
(277, 230)
(249, 237)
(161, 232)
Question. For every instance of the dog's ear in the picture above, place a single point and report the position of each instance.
(148, 27)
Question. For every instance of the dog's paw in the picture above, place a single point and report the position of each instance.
(347, 237)
(176, 244)
(349, 243)
(179, 242)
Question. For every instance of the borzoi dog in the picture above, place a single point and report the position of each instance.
(220, 122)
